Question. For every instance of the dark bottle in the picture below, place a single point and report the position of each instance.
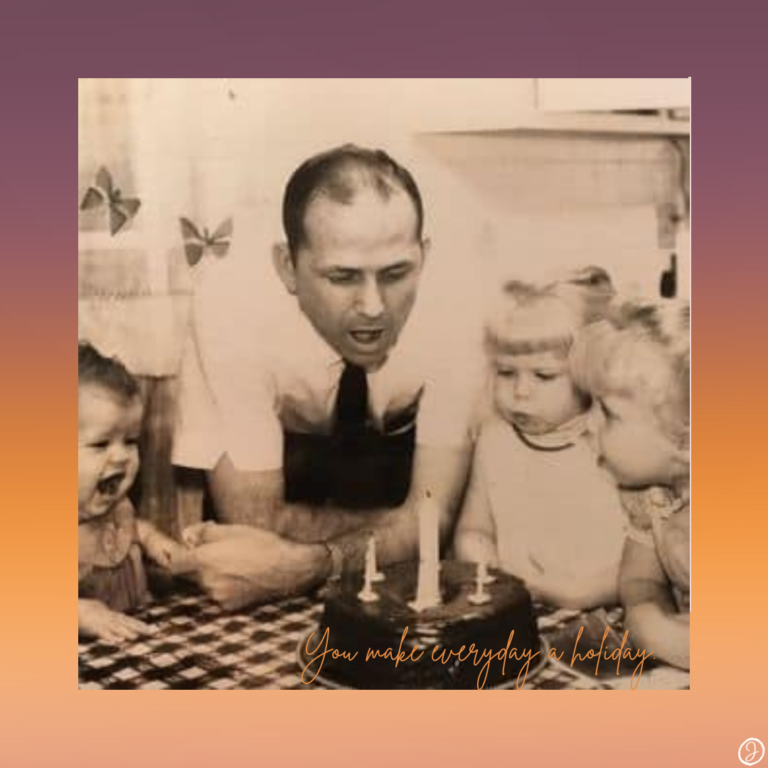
(668, 283)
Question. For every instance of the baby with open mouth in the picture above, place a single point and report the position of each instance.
(110, 537)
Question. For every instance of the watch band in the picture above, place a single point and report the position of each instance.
(337, 560)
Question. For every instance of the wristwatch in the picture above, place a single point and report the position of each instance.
(337, 560)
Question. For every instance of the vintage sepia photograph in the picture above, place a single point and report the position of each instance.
(384, 384)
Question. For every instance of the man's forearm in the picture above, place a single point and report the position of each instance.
(257, 500)
(395, 532)
(440, 473)
(309, 524)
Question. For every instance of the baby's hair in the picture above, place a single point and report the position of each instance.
(589, 290)
(107, 372)
(579, 297)
(641, 349)
(506, 334)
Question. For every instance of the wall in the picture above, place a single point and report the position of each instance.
(547, 200)
(497, 203)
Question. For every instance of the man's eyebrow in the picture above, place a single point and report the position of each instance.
(405, 264)
(339, 268)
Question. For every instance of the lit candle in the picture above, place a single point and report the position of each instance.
(370, 561)
(428, 591)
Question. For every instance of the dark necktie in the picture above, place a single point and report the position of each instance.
(352, 401)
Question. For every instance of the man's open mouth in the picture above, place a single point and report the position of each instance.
(109, 486)
(372, 336)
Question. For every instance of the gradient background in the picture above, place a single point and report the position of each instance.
(44, 46)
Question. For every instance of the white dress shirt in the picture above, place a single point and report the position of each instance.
(254, 366)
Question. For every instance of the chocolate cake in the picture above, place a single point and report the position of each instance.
(356, 626)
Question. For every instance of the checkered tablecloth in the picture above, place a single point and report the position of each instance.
(197, 645)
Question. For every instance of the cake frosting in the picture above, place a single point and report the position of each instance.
(502, 631)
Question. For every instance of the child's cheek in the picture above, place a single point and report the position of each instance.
(133, 471)
(504, 394)
(86, 485)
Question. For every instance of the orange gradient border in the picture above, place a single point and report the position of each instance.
(47, 721)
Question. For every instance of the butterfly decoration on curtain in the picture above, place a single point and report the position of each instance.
(121, 209)
(197, 243)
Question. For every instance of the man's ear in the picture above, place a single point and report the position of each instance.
(281, 258)
(426, 246)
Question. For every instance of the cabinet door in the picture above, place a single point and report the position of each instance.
(619, 93)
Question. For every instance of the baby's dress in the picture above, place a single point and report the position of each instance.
(109, 559)
(660, 519)
(551, 503)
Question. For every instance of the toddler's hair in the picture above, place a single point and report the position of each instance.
(545, 318)
(589, 290)
(642, 349)
(107, 372)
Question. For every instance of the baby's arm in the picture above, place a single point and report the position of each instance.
(651, 616)
(598, 589)
(475, 538)
(159, 547)
(94, 619)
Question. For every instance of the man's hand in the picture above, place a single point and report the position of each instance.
(238, 565)
(96, 620)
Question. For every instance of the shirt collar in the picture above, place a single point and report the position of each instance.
(326, 355)
(564, 436)
(323, 353)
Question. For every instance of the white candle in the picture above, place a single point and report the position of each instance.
(480, 596)
(366, 594)
(482, 573)
(428, 592)
(370, 561)
(429, 533)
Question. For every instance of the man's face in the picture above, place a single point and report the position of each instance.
(357, 275)
(107, 449)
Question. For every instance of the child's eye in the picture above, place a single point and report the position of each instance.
(101, 445)
(132, 441)
(546, 376)
(506, 373)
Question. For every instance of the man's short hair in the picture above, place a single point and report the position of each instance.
(340, 174)
(107, 372)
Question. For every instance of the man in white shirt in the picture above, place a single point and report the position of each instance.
(323, 423)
